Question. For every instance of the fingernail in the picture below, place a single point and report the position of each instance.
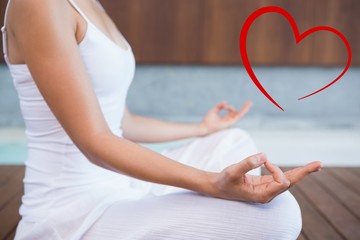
(255, 161)
(261, 158)
(320, 167)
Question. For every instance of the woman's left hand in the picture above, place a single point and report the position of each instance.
(213, 121)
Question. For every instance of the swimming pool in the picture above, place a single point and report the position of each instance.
(12, 153)
(335, 147)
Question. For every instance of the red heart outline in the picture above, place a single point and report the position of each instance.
(243, 51)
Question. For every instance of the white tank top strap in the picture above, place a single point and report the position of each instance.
(100, 6)
(3, 30)
(79, 10)
(4, 45)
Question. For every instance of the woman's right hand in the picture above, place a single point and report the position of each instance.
(233, 182)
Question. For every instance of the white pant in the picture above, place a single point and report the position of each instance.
(173, 213)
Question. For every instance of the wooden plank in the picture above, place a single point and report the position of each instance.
(273, 39)
(315, 226)
(160, 31)
(347, 177)
(11, 236)
(207, 31)
(12, 188)
(11, 193)
(10, 216)
(340, 217)
(302, 236)
(324, 214)
(6, 172)
(355, 170)
(349, 198)
(342, 15)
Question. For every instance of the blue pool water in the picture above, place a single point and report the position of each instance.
(12, 153)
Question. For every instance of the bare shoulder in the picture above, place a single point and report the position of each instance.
(25, 13)
(39, 5)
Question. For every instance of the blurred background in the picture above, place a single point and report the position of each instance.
(187, 54)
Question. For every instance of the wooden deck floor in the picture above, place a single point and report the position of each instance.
(329, 201)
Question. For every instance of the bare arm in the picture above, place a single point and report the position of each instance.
(143, 129)
(45, 34)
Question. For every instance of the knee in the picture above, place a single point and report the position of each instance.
(236, 137)
(235, 134)
(286, 217)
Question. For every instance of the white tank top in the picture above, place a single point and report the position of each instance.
(64, 192)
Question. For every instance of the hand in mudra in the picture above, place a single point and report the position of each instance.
(213, 121)
(233, 182)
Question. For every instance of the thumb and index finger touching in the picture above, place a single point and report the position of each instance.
(238, 114)
(281, 179)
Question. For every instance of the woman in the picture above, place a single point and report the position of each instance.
(85, 175)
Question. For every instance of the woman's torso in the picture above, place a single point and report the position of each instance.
(56, 171)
